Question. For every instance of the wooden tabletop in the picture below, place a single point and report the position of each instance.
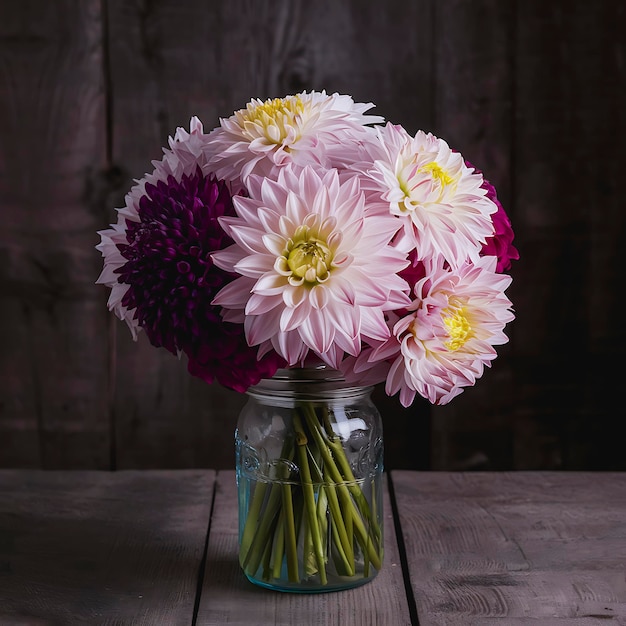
(160, 548)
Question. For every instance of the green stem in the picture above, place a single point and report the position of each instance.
(325, 446)
(365, 539)
(342, 563)
(278, 548)
(344, 541)
(282, 521)
(290, 534)
(251, 519)
(334, 442)
(263, 533)
(309, 496)
(346, 471)
(267, 555)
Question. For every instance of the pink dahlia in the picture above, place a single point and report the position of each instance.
(444, 342)
(315, 274)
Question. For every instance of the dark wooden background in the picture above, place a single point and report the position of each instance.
(533, 92)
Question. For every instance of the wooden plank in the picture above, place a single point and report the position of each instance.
(380, 52)
(53, 370)
(519, 546)
(229, 598)
(171, 60)
(570, 128)
(165, 68)
(101, 547)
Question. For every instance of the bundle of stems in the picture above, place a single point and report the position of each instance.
(319, 522)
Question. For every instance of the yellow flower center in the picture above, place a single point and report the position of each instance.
(409, 204)
(459, 329)
(436, 171)
(275, 119)
(307, 259)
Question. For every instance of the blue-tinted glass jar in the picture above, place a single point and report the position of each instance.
(309, 460)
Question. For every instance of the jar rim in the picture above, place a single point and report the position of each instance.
(308, 380)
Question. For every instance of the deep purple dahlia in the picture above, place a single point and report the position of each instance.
(172, 278)
(229, 360)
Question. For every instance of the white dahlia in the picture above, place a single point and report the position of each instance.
(304, 129)
(440, 201)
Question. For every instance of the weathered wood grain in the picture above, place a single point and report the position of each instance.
(101, 547)
(521, 546)
(127, 547)
(229, 598)
(570, 91)
(164, 65)
(532, 92)
(54, 367)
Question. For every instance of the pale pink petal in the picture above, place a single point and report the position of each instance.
(227, 258)
(292, 318)
(448, 339)
(290, 346)
(260, 305)
(260, 328)
(316, 224)
(235, 294)
(317, 332)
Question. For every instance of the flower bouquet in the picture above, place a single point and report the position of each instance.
(302, 233)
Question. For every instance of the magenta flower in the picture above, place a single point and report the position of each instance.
(172, 280)
(226, 357)
(500, 244)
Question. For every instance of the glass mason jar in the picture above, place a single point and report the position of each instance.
(309, 461)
